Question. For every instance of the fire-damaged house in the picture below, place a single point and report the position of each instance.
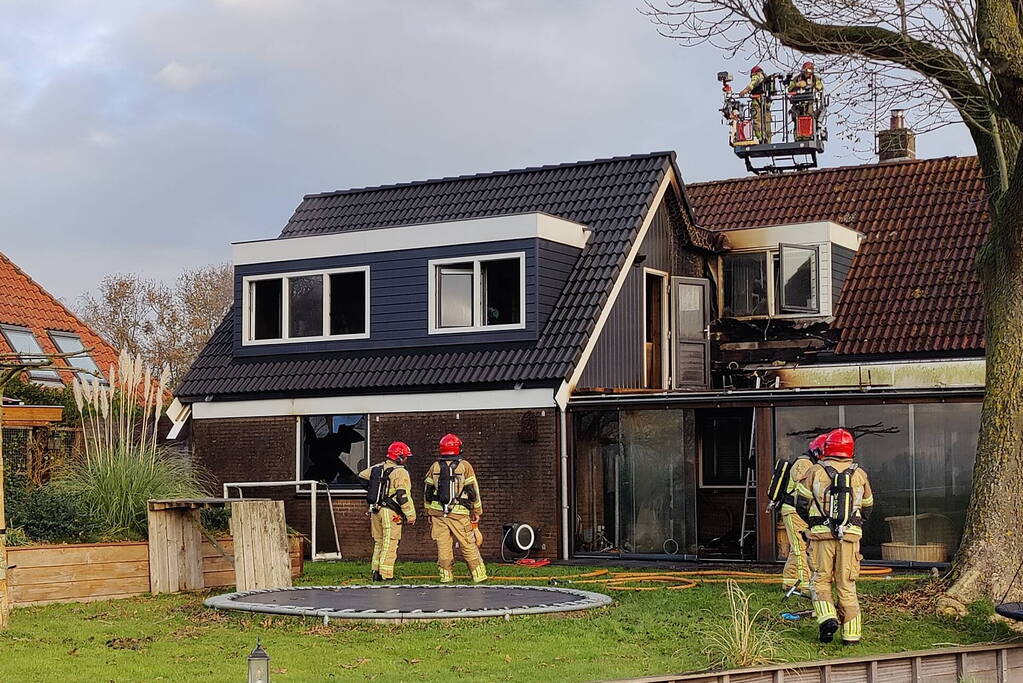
(624, 356)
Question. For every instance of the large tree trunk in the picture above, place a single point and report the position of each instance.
(992, 547)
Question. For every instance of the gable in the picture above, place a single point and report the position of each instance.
(610, 196)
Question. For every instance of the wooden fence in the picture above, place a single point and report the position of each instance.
(998, 663)
(102, 571)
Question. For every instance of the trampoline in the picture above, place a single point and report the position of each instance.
(396, 603)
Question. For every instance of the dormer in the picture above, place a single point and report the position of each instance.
(785, 271)
(484, 280)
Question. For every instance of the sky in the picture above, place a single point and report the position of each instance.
(147, 136)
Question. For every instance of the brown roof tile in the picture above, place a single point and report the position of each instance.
(26, 304)
(912, 288)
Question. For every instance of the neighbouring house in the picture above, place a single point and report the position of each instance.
(623, 355)
(33, 322)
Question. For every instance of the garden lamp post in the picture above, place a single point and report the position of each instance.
(259, 665)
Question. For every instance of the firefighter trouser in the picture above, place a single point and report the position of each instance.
(386, 529)
(838, 562)
(448, 530)
(760, 109)
(796, 570)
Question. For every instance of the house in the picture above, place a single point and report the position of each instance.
(33, 322)
(615, 349)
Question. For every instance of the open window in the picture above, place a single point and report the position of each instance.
(797, 281)
(333, 449)
(307, 306)
(25, 344)
(478, 293)
(69, 342)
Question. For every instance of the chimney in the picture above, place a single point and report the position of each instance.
(898, 143)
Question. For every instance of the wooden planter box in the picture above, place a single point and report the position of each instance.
(103, 571)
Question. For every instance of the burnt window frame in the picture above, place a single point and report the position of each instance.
(248, 312)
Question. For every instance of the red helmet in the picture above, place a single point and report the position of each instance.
(399, 450)
(756, 70)
(808, 66)
(839, 444)
(450, 445)
(816, 447)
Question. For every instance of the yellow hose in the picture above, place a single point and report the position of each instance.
(678, 580)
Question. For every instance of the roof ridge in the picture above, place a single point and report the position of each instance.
(491, 174)
(879, 164)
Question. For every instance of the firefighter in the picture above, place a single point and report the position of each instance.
(759, 93)
(796, 574)
(805, 83)
(838, 499)
(390, 506)
(454, 505)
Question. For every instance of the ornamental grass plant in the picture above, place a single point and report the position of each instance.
(124, 464)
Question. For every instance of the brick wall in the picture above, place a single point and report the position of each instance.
(514, 452)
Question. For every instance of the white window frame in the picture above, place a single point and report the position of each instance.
(247, 313)
(773, 296)
(781, 308)
(477, 293)
(298, 454)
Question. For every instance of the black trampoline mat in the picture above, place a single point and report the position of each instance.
(412, 602)
(409, 598)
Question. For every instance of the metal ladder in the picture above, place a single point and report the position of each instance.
(749, 500)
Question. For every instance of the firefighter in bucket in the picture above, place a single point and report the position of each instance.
(390, 506)
(454, 506)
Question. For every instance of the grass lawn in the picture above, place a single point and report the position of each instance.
(175, 638)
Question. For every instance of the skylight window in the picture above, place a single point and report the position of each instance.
(25, 344)
(69, 342)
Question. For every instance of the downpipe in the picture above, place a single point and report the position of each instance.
(563, 423)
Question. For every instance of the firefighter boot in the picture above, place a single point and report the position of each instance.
(376, 576)
(827, 630)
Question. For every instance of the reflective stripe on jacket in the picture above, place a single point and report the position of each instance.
(817, 484)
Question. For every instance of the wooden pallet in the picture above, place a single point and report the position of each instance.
(999, 663)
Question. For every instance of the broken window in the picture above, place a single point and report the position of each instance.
(24, 343)
(348, 303)
(266, 297)
(68, 342)
(334, 450)
(316, 306)
(797, 279)
(745, 282)
(482, 292)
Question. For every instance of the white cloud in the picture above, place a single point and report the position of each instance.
(185, 76)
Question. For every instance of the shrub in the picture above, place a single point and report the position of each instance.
(741, 642)
(115, 485)
(47, 514)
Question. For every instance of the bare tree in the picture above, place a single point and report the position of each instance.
(166, 324)
(948, 60)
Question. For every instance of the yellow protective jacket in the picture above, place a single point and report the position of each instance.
(800, 83)
(398, 481)
(756, 86)
(817, 484)
(465, 484)
(800, 468)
